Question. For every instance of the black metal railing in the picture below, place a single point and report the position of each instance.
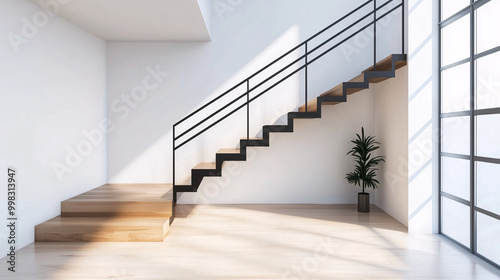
(307, 62)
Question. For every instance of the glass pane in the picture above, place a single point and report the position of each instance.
(450, 7)
(455, 176)
(488, 81)
(456, 41)
(488, 233)
(455, 135)
(455, 221)
(487, 26)
(488, 136)
(488, 186)
(456, 88)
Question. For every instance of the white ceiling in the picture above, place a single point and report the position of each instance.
(137, 20)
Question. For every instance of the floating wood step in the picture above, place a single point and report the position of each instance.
(386, 64)
(312, 106)
(142, 200)
(205, 166)
(336, 91)
(228, 151)
(253, 138)
(113, 212)
(102, 229)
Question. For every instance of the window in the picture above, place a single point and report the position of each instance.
(470, 126)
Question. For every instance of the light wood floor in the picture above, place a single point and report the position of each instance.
(259, 242)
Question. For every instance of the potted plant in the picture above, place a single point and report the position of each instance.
(365, 169)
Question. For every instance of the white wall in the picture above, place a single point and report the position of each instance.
(423, 119)
(391, 130)
(51, 90)
(245, 37)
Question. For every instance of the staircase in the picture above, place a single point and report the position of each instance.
(112, 213)
(385, 69)
(378, 72)
(142, 212)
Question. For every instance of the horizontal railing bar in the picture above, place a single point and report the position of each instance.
(390, 11)
(339, 20)
(276, 60)
(279, 72)
(211, 115)
(210, 126)
(209, 103)
(356, 33)
(347, 28)
(277, 83)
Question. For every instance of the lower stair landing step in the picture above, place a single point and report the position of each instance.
(102, 229)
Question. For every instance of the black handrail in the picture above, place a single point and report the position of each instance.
(307, 62)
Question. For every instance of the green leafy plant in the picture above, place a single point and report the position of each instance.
(365, 170)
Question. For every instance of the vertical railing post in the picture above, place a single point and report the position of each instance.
(306, 78)
(248, 109)
(402, 26)
(173, 164)
(374, 35)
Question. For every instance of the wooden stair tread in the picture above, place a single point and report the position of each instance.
(114, 200)
(125, 192)
(358, 79)
(253, 138)
(383, 65)
(112, 213)
(336, 91)
(386, 64)
(312, 106)
(109, 221)
(205, 166)
(228, 151)
(117, 209)
(103, 229)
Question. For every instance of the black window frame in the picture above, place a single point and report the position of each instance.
(472, 113)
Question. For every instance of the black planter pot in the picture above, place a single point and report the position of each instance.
(363, 202)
